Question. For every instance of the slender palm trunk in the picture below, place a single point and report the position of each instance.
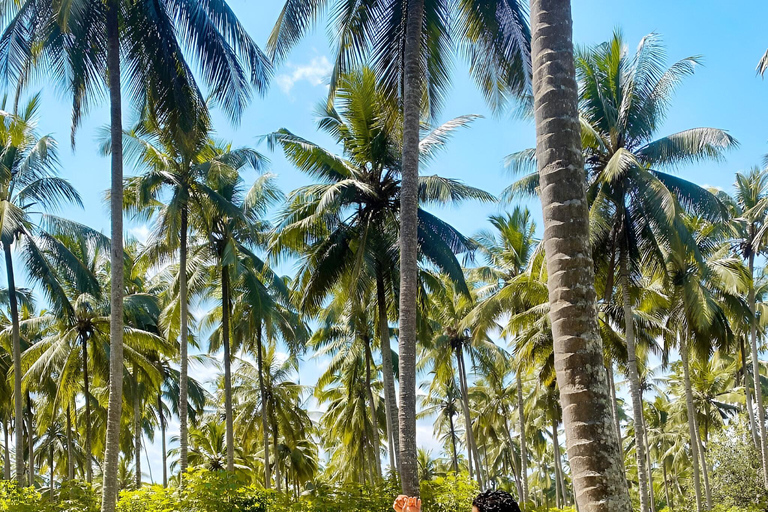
(756, 372)
(387, 371)
(614, 404)
(275, 431)
(454, 451)
(591, 439)
(650, 472)
(409, 205)
(523, 441)
(7, 451)
(162, 438)
(16, 341)
(515, 469)
(634, 384)
(558, 462)
(30, 441)
(227, 368)
(669, 503)
(748, 393)
(183, 347)
(115, 402)
(471, 445)
(264, 421)
(136, 428)
(86, 392)
(50, 473)
(374, 417)
(704, 469)
(691, 423)
(70, 454)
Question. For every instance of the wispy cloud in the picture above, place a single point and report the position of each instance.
(316, 72)
(140, 233)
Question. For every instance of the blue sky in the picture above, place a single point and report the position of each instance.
(724, 93)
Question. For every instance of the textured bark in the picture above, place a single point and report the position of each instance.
(387, 371)
(593, 449)
(16, 341)
(691, 423)
(183, 347)
(374, 418)
(409, 205)
(227, 368)
(756, 373)
(263, 396)
(523, 447)
(86, 392)
(748, 393)
(162, 438)
(115, 402)
(634, 385)
(136, 429)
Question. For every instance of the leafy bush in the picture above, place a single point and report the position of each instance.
(76, 496)
(16, 499)
(449, 494)
(219, 491)
(346, 497)
(736, 480)
(149, 499)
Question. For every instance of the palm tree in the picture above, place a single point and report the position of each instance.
(444, 402)
(591, 438)
(410, 42)
(85, 40)
(347, 224)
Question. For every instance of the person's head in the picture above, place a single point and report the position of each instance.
(495, 501)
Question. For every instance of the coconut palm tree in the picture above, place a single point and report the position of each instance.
(578, 351)
(348, 222)
(444, 403)
(409, 42)
(85, 41)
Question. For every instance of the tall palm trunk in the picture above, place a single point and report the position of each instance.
(70, 454)
(115, 402)
(756, 372)
(515, 468)
(387, 371)
(634, 384)
(278, 478)
(162, 438)
(183, 342)
(264, 421)
(16, 341)
(374, 417)
(523, 441)
(409, 266)
(227, 368)
(614, 404)
(704, 469)
(669, 503)
(471, 445)
(136, 428)
(558, 462)
(592, 444)
(30, 441)
(691, 422)
(748, 393)
(6, 452)
(650, 471)
(86, 392)
(50, 473)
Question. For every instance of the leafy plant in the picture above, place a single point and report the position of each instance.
(449, 494)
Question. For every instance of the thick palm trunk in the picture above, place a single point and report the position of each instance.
(227, 369)
(30, 442)
(374, 417)
(162, 438)
(523, 448)
(387, 371)
(6, 452)
(183, 346)
(136, 428)
(748, 393)
(16, 341)
(86, 392)
(593, 448)
(115, 402)
(70, 454)
(756, 373)
(691, 423)
(264, 422)
(634, 385)
(409, 205)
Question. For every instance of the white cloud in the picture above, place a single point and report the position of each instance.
(316, 72)
(140, 233)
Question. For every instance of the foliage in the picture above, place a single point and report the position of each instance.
(219, 491)
(77, 496)
(348, 497)
(449, 494)
(736, 481)
(16, 499)
(149, 499)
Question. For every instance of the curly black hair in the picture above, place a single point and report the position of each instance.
(495, 501)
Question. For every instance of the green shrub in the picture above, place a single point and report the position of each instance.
(736, 474)
(19, 499)
(149, 499)
(346, 498)
(219, 491)
(449, 494)
(76, 496)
